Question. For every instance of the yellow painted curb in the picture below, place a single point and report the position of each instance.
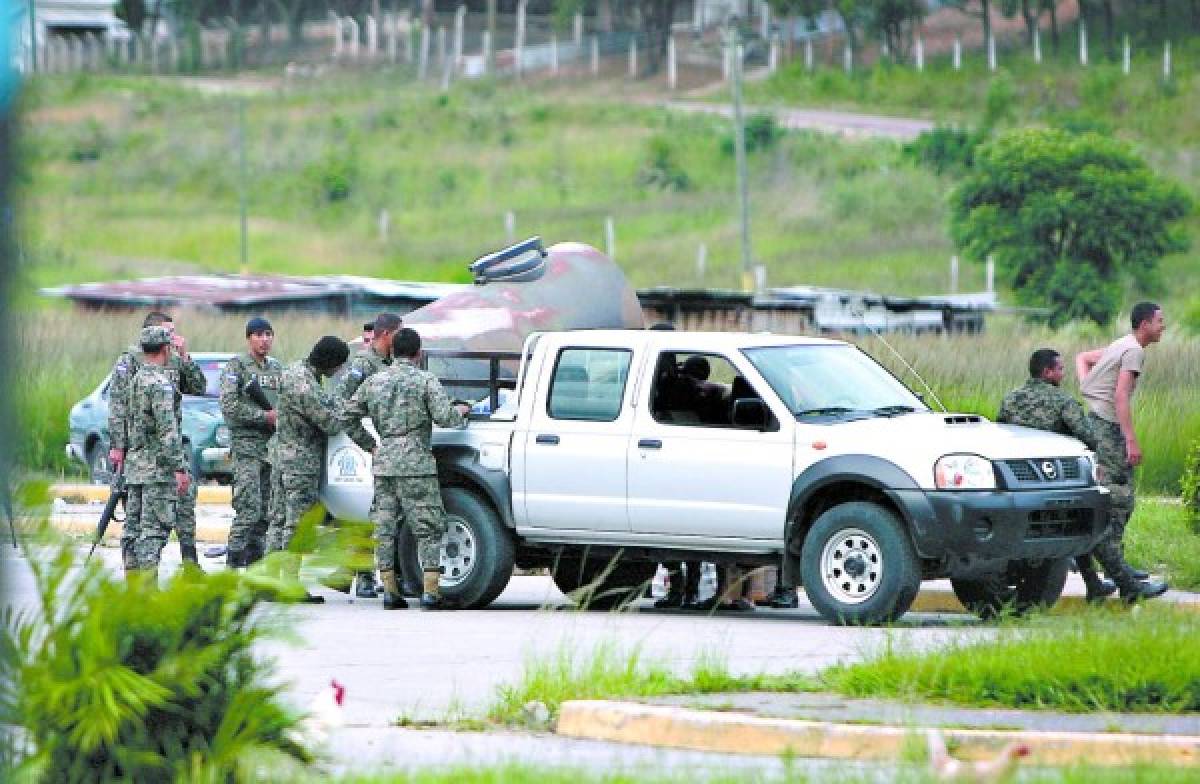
(740, 733)
(86, 525)
(205, 494)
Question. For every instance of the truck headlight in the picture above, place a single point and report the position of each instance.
(964, 472)
(222, 436)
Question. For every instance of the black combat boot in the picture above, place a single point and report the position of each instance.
(392, 600)
(364, 585)
(431, 597)
(1142, 590)
(783, 598)
(1098, 589)
(188, 553)
(235, 559)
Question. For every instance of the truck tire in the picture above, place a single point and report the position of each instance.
(477, 551)
(858, 565)
(1027, 585)
(601, 582)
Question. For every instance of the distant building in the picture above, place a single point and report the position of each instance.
(64, 18)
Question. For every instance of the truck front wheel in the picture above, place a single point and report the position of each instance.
(858, 565)
(1025, 586)
(477, 550)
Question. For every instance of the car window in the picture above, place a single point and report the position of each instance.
(589, 383)
(212, 375)
(696, 389)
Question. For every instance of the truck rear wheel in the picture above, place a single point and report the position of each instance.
(1025, 586)
(477, 550)
(601, 582)
(858, 565)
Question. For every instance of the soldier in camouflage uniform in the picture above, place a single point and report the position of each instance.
(307, 417)
(404, 402)
(188, 379)
(251, 427)
(156, 468)
(375, 356)
(1042, 404)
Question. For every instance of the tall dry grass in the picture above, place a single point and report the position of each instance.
(66, 353)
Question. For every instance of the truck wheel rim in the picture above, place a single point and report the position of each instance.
(851, 566)
(458, 552)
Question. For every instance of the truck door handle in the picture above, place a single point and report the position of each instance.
(649, 443)
(547, 439)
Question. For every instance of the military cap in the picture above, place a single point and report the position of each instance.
(153, 337)
(256, 325)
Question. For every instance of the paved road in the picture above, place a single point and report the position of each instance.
(844, 123)
(432, 665)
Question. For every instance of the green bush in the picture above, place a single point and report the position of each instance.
(335, 175)
(111, 680)
(661, 168)
(944, 149)
(1191, 317)
(1190, 487)
(762, 133)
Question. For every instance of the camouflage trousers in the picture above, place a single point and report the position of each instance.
(1117, 476)
(251, 504)
(157, 504)
(184, 526)
(408, 500)
(300, 493)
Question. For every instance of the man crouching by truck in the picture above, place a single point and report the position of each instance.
(404, 402)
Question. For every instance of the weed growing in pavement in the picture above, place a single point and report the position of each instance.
(609, 671)
(1108, 659)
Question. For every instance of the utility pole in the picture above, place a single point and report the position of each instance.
(33, 36)
(739, 147)
(242, 183)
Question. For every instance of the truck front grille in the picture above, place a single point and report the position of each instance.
(1054, 469)
(1058, 524)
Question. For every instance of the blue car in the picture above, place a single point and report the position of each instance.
(205, 435)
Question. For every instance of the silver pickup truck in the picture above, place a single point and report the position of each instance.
(613, 450)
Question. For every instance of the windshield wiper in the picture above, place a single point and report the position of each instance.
(893, 410)
(829, 411)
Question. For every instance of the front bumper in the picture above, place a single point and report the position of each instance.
(977, 532)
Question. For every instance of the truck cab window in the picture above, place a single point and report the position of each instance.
(694, 389)
(588, 384)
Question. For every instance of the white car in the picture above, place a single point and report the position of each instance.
(624, 448)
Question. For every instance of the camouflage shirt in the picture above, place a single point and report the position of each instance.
(404, 402)
(155, 446)
(307, 416)
(246, 419)
(364, 365)
(1042, 405)
(187, 377)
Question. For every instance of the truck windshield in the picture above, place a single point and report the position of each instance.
(832, 381)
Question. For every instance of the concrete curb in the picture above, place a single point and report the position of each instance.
(742, 733)
(205, 494)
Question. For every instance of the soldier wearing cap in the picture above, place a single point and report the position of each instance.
(404, 402)
(156, 468)
(375, 356)
(251, 429)
(188, 379)
(307, 417)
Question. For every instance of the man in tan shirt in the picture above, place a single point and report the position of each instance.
(1107, 380)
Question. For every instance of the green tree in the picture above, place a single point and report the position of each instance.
(1069, 219)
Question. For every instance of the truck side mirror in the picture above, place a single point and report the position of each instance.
(749, 412)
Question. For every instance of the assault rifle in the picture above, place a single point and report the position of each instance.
(254, 391)
(118, 495)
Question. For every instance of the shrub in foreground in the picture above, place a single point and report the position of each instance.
(109, 680)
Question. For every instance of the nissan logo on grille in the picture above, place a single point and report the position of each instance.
(1049, 469)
